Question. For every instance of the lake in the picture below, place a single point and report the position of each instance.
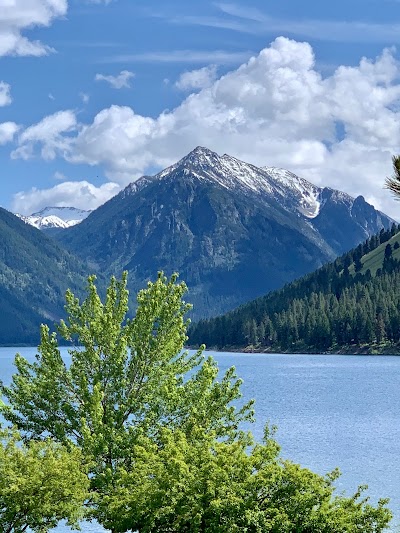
(331, 410)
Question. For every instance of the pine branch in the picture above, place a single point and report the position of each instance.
(393, 183)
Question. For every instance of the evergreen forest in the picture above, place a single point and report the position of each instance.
(350, 305)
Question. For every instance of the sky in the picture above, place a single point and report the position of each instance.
(96, 93)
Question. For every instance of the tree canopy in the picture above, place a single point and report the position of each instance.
(127, 378)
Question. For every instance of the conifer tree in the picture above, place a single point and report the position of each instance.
(393, 183)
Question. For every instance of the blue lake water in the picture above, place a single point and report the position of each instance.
(331, 411)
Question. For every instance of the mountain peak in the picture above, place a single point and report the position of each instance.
(201, 151)
(200, 156)
(236, 175)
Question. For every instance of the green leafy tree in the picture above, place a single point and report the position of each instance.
(41, 483)
(127, 378)
(196, 483)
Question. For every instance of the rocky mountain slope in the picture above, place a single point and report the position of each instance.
(55, 217)
(234, 231)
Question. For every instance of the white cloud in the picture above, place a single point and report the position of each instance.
(59, 176)
(7, 132)
(49, 134)
(5, 94)
(117, 82)
(84, 97)
(80, 194)
(274, 110)
(245, 19)
(197, 79)
(181, 56)
(18, 16)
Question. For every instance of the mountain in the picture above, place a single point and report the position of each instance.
(234, 231)
(55, 217)
(351, 306)
(35, 272)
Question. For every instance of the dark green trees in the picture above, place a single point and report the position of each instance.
(393, 183)
(340, 305)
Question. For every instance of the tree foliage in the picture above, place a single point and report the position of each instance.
(127, 378)
(199, 484)
(41, 483)
(393, 183)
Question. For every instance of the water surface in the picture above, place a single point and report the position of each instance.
(330, 411)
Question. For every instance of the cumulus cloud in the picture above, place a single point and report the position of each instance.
(49, 134)
(5, 94)
(80, 194)
(7, 132)
(117, 82)
(197, 79)
(18, 16)
(276, 110)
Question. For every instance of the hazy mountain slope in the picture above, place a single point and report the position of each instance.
(232, 230)
(35, 272)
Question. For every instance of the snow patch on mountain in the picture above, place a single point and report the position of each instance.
(55, 217)
(289, 190)
(306, 197)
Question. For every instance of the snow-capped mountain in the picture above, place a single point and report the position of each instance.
(232, 230)
(292, 192)
(55, 217)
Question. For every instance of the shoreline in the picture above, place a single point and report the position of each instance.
(373, 349)
(344, 350)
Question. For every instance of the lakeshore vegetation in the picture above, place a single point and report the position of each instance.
(142, 436)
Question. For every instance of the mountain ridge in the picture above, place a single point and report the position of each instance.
(231, 229)
(55, 217)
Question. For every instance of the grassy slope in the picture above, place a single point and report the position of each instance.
(374, 259)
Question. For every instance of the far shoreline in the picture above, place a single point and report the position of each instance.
(263, 350)
(344, 350)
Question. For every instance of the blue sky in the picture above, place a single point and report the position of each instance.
(94, 94)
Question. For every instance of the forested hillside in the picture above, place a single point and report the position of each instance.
(350, 304)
